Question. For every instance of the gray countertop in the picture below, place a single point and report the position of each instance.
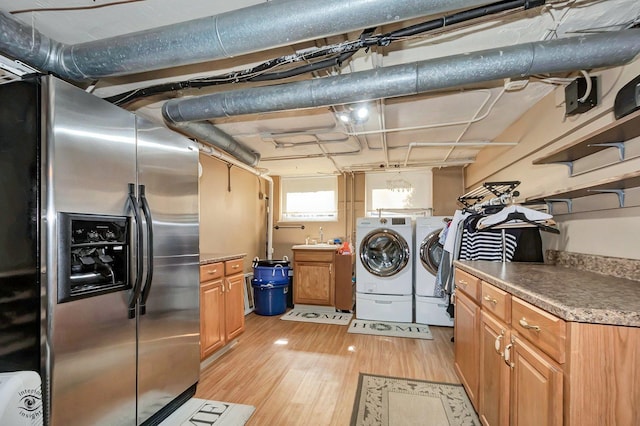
(571, 294)
(206, 258)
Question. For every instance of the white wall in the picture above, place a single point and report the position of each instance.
(604, 230)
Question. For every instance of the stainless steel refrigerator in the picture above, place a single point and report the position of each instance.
(99, 257)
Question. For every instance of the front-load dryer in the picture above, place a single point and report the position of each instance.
(384, 269)
(430, 303)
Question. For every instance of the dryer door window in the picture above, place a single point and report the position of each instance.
(384, 253)
(431, 252)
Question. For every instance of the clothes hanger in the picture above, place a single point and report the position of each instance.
(519, 216)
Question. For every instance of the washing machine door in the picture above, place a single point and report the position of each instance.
(384, 252)
(431, 252)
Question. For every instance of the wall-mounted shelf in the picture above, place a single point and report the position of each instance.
(616, 185)
(612, 135)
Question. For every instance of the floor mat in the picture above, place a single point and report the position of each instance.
(393, 329)
(205, 412)
(388, 401)
(321, 315)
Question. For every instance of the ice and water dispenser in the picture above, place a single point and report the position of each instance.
(93, 255)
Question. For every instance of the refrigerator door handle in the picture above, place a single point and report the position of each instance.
(135, 291)
(146, 289)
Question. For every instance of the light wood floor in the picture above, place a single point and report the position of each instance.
(298, 373)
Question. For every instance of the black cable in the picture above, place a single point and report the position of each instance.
(344, 51)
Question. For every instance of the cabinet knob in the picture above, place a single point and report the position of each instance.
(211, 272)
(462, 283)
(523, 322)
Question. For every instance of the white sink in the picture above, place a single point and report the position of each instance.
(319, 246)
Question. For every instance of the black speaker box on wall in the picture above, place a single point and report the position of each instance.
(576, 90)
(627, 99)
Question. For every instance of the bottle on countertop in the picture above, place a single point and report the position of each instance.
(345, 248)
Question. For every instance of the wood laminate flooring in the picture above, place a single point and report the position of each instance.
(298, 373)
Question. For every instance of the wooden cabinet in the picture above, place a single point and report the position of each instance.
(538, 369)
(345, 287)
(519, 383)
(466, 334)
(536, 386)
(221, 304)
(211, 321)
(234, 306)
(313, 277)
(495, 374)
(211, 308)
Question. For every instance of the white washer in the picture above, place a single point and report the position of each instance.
(384, 269)
(430, 308)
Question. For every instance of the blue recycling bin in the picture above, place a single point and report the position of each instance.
(270, 298)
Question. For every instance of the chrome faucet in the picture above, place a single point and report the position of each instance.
(321, 235)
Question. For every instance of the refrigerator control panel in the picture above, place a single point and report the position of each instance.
(93, 255)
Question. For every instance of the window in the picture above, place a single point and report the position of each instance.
(309, 198)
(398, 193)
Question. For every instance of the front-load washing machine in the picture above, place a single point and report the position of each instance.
(384, 269)
(430, 303)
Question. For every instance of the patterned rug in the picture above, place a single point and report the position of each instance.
(319, 315)
(201, 412)
(389, 401)
(393, 329)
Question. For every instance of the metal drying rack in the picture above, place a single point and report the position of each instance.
(501, 191)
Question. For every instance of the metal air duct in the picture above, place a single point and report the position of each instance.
(205, 131)
(263, 26)
(568, 54)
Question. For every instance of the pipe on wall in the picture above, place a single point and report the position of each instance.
(561, 55)
(251, 29)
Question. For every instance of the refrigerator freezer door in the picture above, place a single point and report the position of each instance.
(168, 325)
(89, 161)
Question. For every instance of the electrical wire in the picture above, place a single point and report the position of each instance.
(338, 53)
(58, 9)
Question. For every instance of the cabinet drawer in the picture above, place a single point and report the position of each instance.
(468, 284)
(496, 301)
(313, 256)
(211, 271)
(544, 330)
(233, 266)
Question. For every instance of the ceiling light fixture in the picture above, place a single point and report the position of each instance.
(354, 114)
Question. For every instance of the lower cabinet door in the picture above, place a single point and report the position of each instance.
(536, 388)
(494, 372)
(467, 344)
(234, 306)
(212, 330)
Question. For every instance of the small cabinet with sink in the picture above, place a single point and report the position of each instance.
(322, 277)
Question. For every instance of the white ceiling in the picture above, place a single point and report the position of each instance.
(310, 141)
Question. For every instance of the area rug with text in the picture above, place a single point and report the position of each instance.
(211, 413)
(321, 315)
(389, 401)
(393, 329)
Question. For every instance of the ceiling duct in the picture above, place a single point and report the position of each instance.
(562, 55)
(212, 135)
(263, 26)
